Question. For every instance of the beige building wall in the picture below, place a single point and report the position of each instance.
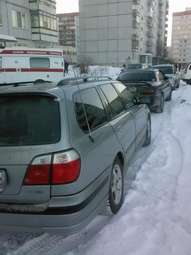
(181, 37)
(117, 32)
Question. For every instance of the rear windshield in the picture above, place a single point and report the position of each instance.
(137, 76)
(29, 120)
(165, 69)
(134, 66)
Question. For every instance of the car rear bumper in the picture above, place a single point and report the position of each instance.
(64, 219)
(153, 101)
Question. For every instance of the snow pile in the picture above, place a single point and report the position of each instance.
(112, 72)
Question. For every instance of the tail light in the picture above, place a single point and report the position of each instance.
(65, 167)
(148, 91)
(38, 172)
(58, 168)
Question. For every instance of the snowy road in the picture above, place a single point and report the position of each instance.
(156, 216)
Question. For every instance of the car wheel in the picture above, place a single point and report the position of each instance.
(116, 188)
(148, 134)
(160, 107)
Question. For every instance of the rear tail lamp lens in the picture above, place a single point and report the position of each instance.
(38, 171)
(65, 167)
(59, 168)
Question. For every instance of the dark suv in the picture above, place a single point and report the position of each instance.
(64, 151)
(152, 87)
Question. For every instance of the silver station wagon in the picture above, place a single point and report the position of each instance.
(64, 151)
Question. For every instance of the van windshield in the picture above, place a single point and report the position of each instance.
(28, 120)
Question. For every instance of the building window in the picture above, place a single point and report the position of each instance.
(18, 19)
(48, 22)
(35, 20)
(1, 20)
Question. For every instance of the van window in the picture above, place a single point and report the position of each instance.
(39, 62)
(113, 98)
(29, 120)
(126, 95)
(88, 106)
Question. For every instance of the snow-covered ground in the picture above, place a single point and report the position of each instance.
(156, 216)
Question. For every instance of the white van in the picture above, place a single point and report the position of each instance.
(29, 65)
(187, 74)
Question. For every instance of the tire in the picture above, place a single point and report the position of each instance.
(116, 189)
(169, 98)
(160, 107)
(39, 81)
(148, 134)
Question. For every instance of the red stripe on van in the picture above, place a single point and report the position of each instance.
(51, 70)
(31, 52)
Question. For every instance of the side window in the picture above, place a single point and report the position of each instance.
(39, 62)
(1, 64)
(126, 95)
(113, 98)
(88, 106)
(161, 76)
(80, 114)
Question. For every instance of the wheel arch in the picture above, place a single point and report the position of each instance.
(120, 156)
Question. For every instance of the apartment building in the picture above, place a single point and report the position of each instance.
(67, 28)
(118, 32)
(181, 36)
(32, 22)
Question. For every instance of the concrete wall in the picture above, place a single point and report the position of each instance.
(107, 30)
(6, 8)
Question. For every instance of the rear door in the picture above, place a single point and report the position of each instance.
(29, 125)
(97, 143)
(121, 118)
(138, 111)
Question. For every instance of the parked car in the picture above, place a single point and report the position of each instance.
(169, 72)
(64, 151)
(152, 87)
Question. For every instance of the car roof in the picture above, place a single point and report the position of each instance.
(52, 88)
(139, 71)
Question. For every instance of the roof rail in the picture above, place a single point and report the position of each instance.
(24, 83)
(72, 81)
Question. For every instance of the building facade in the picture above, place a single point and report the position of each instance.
(118, 32)
(32, 22)
(181, 37)
(67, 28)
